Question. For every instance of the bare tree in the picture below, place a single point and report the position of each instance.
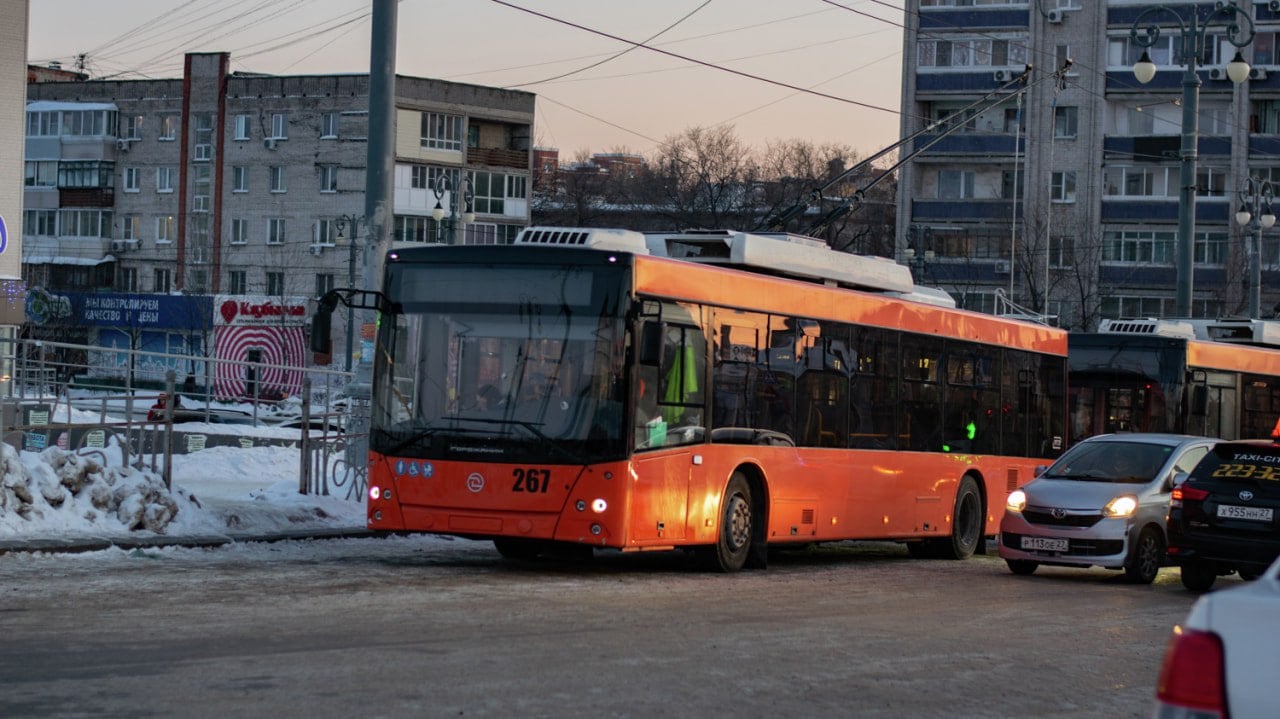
(704, 177)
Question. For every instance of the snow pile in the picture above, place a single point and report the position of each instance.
(224, 491)
(63, 490)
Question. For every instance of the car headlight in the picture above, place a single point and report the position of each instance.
(1017, 501)
(1122, 506)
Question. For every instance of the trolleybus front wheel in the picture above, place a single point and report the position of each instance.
(736, 526)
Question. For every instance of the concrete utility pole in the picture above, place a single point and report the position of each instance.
(379, 182)
(380, 179)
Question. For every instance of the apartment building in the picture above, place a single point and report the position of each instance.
(1062, 191)
(207, 212)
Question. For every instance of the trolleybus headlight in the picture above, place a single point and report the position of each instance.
(598, 505)
(374, 492)
(1017, 501)
(1122, 506)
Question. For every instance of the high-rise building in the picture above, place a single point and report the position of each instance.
(205, 213)
(1058, 185)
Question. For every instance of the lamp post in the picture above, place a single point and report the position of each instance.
(353, 221)
(1255, 212)
(444, 183)
(1193, 46)
(918, 264)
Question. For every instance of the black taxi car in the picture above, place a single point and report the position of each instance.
(1224, 517)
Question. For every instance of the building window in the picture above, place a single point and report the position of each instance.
(131, 179)
(239, 231)
(131, 127)
(277, 178)
(164, 179)
(165, 225)
(955, 184)
(130, 227)
(1060, 252)
(236, 283)
(86, 174)
(127, 279)
(441, 132)
(328, 178)
(328, 125)
(1062, 187)
(279, 126)
(490, 190)
(42, 173)
(1066, 122)
(412, 228)
(324, 283)
(161, 281)
(84, 223)
(325, 232)
(419, 177)
(204, 137)
(243, 124)
(275, 231)
(40, 223)
(168, 127)
(275, 284)
(239, 178)
(517, 187)
(88, 123)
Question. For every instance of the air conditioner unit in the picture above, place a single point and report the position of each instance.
(122, 145)
(1257, 73)
(1054, 16)
(132, 244)
(118, 246)
(269, 143)
(1217, 73)
(1002, 267)
(1003, 75)
(317, 250)
(1274, 6)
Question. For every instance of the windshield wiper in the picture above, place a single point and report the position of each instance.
(415, 436)
(535, 429)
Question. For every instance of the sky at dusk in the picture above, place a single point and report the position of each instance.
(828, 71)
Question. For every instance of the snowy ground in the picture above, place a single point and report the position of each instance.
(56, 494)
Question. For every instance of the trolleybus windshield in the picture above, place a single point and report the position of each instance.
(484, 360)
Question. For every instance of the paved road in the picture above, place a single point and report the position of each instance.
(427, 627)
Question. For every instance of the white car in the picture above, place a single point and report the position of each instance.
(1221, 661)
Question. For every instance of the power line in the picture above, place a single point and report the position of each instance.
(611, 58)
(696, 61)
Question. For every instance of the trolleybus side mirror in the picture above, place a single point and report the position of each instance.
(652, 336)
(321, 329)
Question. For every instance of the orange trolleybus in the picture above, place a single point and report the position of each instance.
(1218, 378)
(610, 389)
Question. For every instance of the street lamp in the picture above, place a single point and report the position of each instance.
(1255, 212)
(353, 221)
(444, 183)
(1193, 49)
(917, 264)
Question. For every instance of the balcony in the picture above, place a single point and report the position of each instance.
(989, 146)
(496, 157)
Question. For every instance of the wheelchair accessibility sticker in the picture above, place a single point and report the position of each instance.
(414, 469)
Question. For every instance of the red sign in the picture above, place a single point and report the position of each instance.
(243, 312)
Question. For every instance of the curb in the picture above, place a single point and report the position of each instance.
(76, 545)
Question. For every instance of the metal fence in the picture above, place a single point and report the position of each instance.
(106, 402)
